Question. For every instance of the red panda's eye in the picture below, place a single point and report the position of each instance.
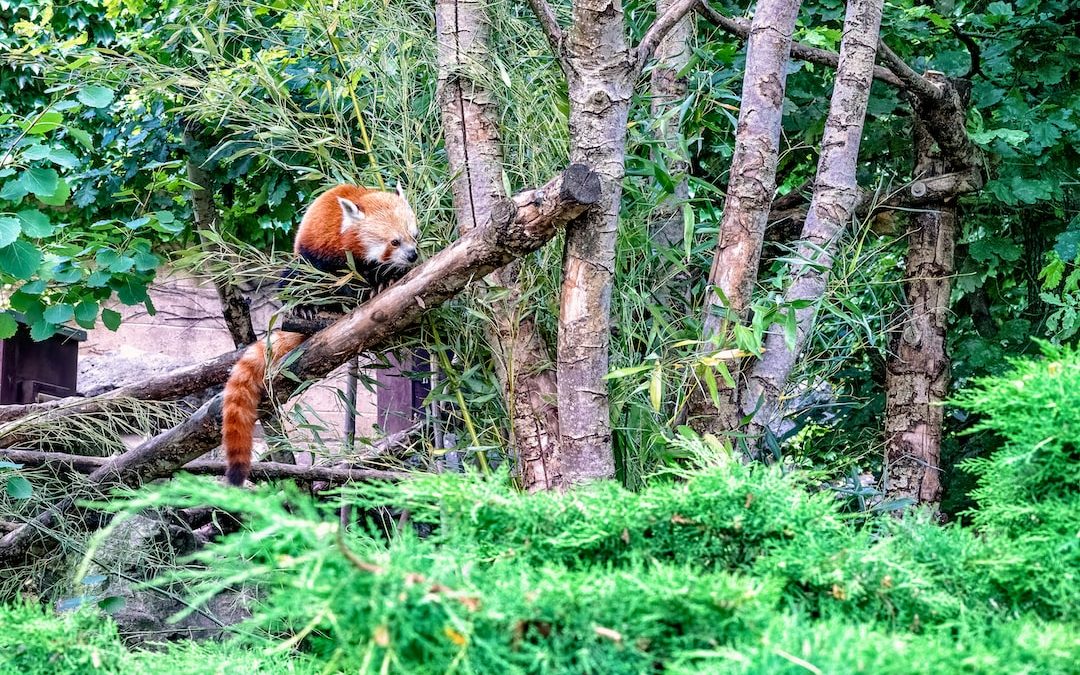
(396, 242)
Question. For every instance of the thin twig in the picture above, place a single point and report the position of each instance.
(659, 28)
(741, 29)
(913, 82)
(554, 34)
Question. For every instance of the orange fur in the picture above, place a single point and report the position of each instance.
(387, 218)
(240, 406)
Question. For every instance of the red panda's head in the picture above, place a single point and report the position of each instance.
(383, 226)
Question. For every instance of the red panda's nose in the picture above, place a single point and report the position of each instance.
(412, 255)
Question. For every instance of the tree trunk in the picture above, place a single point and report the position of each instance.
(751, 184)
(600, 85)
(517, 227)
(471, 133)
(918, 367)
(668, 88)
(835, 195)
(234, 307)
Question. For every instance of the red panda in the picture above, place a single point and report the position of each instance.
(379, 230)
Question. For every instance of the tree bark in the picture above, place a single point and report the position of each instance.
(917, 368)
(601, 72)
(474, 152)
(600, 85)
(668, 88)
(517, 227)
(751, 184)
(234, 307)
(836, 193)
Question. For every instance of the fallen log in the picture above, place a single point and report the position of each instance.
(259, 470)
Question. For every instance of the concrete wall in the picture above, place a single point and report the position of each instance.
(187, 328)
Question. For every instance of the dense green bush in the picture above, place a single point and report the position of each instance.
(33, 642)
(730, 569)
(1028, 493)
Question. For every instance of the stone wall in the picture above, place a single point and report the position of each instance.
(187, 328)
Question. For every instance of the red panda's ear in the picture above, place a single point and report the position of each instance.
(350, 212)
(400, 191)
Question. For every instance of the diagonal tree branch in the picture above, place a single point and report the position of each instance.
(659, 28)
(517, 227)
(554, 34)
(836, 193)
(741, 29)
(474, 151)
(750, 187)
(913, 82)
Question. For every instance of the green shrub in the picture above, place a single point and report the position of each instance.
(1028, 494)
(34, 640)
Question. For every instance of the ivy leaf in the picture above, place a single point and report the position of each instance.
(9, 230)
(20, 259)
(60, 313)
(19, 488)
(110, 318)
(35, 223)
(8, 325)
(95, 96)
(41, 182)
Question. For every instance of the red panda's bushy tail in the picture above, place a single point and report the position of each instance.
(240, 407)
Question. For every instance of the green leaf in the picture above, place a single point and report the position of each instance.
(110, 318)
(35, 223)
(8, 325)
(44, 124)
(98, 279)
(86, 313)
(20, 259)
(36, 287)
(19, 488)
(144, 262)
(95, 96)
(131, 292)
(624, 372)
(63, 157)
(111, 604)
(35, 152)
(59, 313)
(41, 182)
(13, 190)
(82, 137)
(9, 230)
(42, 330)
(59, 197)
